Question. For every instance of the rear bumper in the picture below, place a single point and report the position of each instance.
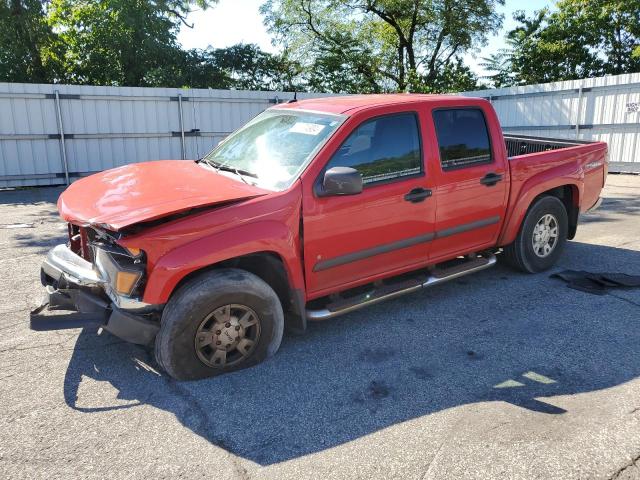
(595, 206)
(75, 298)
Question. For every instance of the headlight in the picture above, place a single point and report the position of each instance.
(126, 282)
(122, 271)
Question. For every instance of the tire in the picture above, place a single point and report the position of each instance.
(522, 253)
(228, 313)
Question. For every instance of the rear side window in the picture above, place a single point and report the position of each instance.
(384, 148)
(463, 138)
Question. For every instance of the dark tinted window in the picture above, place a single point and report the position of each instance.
(462, 137)
(382, 149)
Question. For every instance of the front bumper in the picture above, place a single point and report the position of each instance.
(75, 298)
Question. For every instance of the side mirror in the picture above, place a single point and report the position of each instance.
(341, 181)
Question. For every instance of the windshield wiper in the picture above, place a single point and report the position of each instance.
(227, 168)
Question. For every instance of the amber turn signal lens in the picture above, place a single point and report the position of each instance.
(125, 281)
(133, 251)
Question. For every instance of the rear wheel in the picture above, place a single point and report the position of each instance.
(220, 321)
(541, 238)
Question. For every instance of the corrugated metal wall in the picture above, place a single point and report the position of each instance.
(96, 128)
(605, 108)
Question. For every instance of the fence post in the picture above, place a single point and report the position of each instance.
(63, 150)
(181, 126)
(579, 112)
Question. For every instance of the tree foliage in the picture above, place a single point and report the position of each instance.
(27, 42)
(364, 46)
(125, 42)
(581, 38)
(381, 45)
(118, 42)
(241, 66)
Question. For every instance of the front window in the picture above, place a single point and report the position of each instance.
(273, 148)
(385, 148)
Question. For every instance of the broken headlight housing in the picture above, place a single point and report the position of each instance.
(121, 269)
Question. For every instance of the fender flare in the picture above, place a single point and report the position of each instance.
(259, 237)
(564, 175)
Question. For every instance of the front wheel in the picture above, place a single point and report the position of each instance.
(220, 321)
(541, 238)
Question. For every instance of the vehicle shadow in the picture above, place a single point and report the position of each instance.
(495, 336)
(613, 208)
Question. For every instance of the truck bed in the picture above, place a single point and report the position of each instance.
(550, 159)
(525, 144)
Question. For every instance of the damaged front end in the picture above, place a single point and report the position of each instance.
(94, 282)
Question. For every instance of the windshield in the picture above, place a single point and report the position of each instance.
(273, 148)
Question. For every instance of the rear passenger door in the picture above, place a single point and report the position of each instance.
(471, 184)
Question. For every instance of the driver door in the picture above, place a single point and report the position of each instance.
(385, 229)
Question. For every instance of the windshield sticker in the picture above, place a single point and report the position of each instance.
(307, 128)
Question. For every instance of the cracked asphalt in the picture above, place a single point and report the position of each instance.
(495, 375)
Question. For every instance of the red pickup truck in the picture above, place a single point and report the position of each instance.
(312, 209)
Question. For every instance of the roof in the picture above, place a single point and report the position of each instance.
(349, 103)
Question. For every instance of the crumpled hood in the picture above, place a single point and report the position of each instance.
(124, 196)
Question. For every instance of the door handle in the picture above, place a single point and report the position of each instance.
(418, 195)
(490, 179)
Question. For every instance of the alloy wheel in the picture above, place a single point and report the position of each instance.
(227, 335)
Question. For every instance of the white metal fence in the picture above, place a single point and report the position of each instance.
(51, 133)
(605, 108)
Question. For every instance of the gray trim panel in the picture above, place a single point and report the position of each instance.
(465, 227)
(370, 252)
(407, 242)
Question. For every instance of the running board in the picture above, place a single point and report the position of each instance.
(387, 292)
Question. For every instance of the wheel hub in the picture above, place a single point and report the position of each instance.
(227, 335)
(224, 336)
(545, 235)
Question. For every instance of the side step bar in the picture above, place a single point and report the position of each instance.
(386, 292)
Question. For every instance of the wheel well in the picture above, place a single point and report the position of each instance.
(269, 267)
(568, 195)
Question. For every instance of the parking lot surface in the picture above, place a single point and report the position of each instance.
(495, 375)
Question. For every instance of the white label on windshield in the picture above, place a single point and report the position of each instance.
(307, 128)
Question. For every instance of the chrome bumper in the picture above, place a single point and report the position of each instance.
(76, 289)
(62, 264)
(65, 267)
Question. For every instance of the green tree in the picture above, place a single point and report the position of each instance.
(380, 45)
(581, 38)
(120, 42)
(126, 42)
(241, 66)
(27, 43)
(454, 76)
(249, 68)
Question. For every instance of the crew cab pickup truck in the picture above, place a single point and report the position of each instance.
(313, 209)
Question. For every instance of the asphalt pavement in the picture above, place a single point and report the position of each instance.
(494, 375)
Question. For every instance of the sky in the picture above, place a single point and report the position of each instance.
(239, 21)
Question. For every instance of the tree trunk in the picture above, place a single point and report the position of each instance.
(402, 82)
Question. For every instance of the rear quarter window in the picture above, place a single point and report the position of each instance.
(463, 138)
